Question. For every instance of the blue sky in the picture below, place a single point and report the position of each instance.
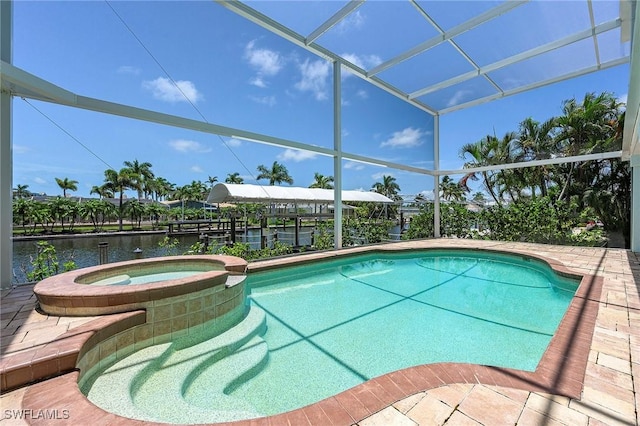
(234, 74)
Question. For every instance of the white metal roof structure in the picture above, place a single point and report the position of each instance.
(452, 55)
(485, 53)
(237, 193)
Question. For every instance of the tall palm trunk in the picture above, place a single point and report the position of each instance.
(489, 187)
(120, 210)
(567, 182)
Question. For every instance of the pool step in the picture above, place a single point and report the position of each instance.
(210, 384)
(151, 384)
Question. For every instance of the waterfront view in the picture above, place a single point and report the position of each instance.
(84, 251)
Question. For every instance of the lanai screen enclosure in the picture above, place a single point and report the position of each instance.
(450, 55)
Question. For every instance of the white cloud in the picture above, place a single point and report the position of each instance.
(39, 180)
(258, 81)
(406, 138)
(363, 61)
(355, 20)
(164, 90)
(128, 69)
(314, 78)
(266, 62)
(362, 94)
(183, 145)
(264, 100)
(196, 169)
(296, 155)
(458, 97)
(234, 143)
(353, 165)
(379, 175)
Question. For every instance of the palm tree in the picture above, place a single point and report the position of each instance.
(479, 153)
(160, 188)
(388, 187)
(135, 209)
(94, 211)
(604, 185)
(234, 178)
(585, 128)
(276, 175)
(119, 182)
(155, 210)
(212, 180)
(199, 189)
(182, 193)
(62, 208)
(42, 215)
(492, 151)
(140, 173)
(23, 208)
(192, 192)
(322, 181)
(67, 184)
(20, 191)
(450, 190)
(101, 191)
(536, 142)
(478, 197)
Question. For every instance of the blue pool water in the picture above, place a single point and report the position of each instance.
(333, 325)
(146, 278)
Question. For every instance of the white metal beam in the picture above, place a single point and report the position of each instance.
(556, 44)
(534, 163)
(264, 21)
(176, 121)
(14, 80)
(337, 159)
(626, 14)
(383, 163)
(631, 134)
(604, 65)
(42, 90)
(6, 160)
(447, 35)
(592, 19)
(436, 177)
(335, 19)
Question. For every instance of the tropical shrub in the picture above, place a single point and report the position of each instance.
(603, 186)
(170, 245)
(46, 263)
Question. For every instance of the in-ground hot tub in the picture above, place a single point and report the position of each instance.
(125, 286)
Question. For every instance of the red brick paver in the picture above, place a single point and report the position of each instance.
(589, 374)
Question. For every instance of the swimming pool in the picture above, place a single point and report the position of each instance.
(315, 330)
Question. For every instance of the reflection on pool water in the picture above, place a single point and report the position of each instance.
(125, 279)
(313, 331)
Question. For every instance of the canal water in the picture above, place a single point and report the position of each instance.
(83, 249)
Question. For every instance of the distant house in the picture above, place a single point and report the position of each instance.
(190, 204)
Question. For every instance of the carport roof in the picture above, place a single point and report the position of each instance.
(239, 193)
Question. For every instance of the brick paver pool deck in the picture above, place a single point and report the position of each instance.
(588, 376)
